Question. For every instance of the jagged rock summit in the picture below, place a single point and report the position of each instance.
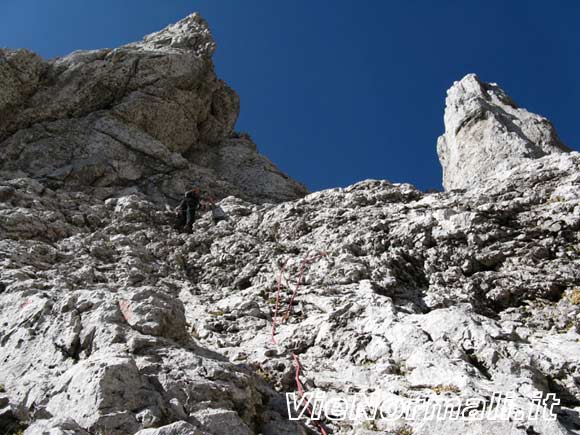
(150, 116)
(486, 133)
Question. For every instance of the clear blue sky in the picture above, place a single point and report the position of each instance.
(336, 91)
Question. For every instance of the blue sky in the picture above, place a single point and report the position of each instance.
(337, 91)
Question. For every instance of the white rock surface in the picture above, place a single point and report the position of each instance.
(113, 323)
(486, 132)
(109, 315)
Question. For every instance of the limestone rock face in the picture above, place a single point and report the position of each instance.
(486, 133)
(150, 115)
(112, 322)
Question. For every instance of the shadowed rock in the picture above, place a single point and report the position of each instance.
(150, 115)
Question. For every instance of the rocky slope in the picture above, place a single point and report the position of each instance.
(113, 323)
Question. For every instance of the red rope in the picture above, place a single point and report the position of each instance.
(277, 303)
(304, 263)
(289, 309)
(301, 392)
(297, 376)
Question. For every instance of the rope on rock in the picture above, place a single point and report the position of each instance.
(301, 393)
(289, 309)
(302, 266)
(276, 308)
(299, 386)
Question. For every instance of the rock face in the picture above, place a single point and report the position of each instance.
(151, 116)
(114, 323)
(486, 132)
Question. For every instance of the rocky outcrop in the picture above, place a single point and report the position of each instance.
(114, 323)
(486, 133)
(117, 322)
(150, 116)
(113, 357)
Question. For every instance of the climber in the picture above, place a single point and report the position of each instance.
(186, 210)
